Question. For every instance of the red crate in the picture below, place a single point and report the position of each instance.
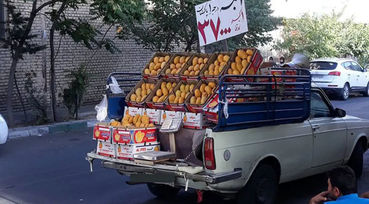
(158, 54)
(199, 108)
(161, 105)
(102, 132)
(134, 136)
(141, 104)
(180, 106)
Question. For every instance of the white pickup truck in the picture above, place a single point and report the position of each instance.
(250, 163)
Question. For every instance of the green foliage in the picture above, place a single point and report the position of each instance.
(73, 95)
(171, 24)
(16, 34)
(124, 13)
(36, 98)
(260, 22)
(325, 36)
(168, 24)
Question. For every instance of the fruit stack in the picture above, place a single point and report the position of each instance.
(176, 100)
(156, 65)
(204, 90)
(219, 63)
(156, 101)
(198, 63)
(140, 93)
(241, 62)
(176, 64)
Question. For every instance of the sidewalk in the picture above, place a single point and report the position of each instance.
(88, 119)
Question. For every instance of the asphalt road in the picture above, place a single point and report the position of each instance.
(52, 169)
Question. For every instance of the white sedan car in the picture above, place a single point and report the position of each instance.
(3, 130)
(340, 76)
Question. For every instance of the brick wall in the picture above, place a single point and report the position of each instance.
(132, 58)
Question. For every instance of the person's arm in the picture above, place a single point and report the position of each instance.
(320, 198)
(364, 195)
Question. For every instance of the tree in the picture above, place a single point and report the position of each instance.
(171, 24)
(325, 36)
(111, 12)
(19, 40)
(260, 22)
(19, 37)
(168, 24)
(73, 95)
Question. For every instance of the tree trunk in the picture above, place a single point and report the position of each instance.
(52, 73)
(20, 98)
(52, 61)
(9, 106)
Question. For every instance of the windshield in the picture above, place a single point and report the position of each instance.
(323, 65)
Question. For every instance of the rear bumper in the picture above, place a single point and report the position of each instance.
(332, 90)
(174, 175)
(328, 85)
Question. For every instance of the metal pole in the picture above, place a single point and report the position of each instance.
(225, 43)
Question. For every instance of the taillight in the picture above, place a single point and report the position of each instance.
(209, 153)
(335, 73)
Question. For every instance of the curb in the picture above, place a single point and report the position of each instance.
(50, 129)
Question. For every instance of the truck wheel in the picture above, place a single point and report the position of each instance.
(345, 92)
(162, 191)
(262, 187)
(356, 160)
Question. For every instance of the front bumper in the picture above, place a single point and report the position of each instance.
(177, 175)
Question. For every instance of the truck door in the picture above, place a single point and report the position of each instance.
(329, 132)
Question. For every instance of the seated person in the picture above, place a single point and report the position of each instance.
(342, 188)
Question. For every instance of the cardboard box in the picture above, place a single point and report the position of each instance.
(105, 149)
(154, 115)
(171, 115)
(134, 136)
(102, 131)
(193, 120)
(132, 111)
(127, 151)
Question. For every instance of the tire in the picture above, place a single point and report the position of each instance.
(366, 92)
(162, 191)
(356, 160)
(262, 187)
(345, 92)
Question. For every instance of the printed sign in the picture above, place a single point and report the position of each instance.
(220, 19)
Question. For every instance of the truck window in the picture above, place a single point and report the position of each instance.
(318, 107)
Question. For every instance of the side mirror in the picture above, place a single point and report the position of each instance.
(340, 113)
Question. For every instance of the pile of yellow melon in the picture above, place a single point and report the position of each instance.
(156, 65)
(142, 92)
(241, 62)
(217, 67)
(181, 93)
(163, 91)
(177, 64)
(201, 94)
(197, 64)
(137, 121)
